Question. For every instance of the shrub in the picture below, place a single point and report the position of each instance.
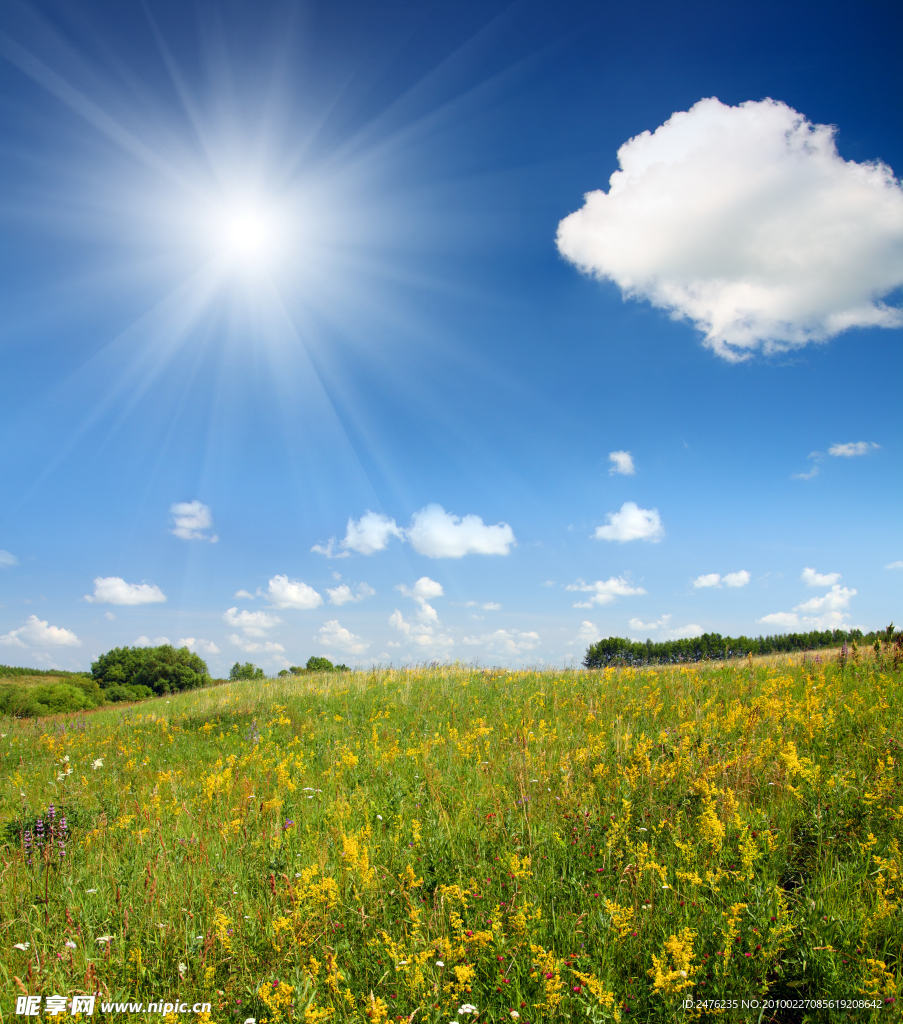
(118, 692)
(316, 664)
(163, 669)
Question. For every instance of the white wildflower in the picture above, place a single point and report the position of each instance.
(97, 764)
(22, 945)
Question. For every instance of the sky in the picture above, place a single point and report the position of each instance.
(400, 332)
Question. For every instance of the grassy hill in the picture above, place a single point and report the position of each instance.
(409, 845)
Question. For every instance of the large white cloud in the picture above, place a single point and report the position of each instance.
(38, 633)
(7, 558)
(746, 221)
(367, 535)
(333, 634)
(191, 519)
(422, 592)
(826, 612)
(631, 523)
(604, 591)
(439, 534)
(114, 590)
(286, 593)
(251, 623)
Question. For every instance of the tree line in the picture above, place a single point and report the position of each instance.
(615, 650)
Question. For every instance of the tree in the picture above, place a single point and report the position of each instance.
(246, 671)
(164, 669)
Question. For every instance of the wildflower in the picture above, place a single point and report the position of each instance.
(467, 1008)
(251, 1020)
(104, 938)
(439, 963)
(22, 945)
(71, 944)
(514, 1015)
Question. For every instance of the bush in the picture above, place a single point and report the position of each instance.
(55, 698)
(163, 669)
(246, 671)
(117, 692)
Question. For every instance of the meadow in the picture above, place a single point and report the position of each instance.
(454, 844)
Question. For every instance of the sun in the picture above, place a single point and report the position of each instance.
(247, 236)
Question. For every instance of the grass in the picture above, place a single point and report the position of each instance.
(406, 845)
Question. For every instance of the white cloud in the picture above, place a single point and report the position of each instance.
(144, 641)
(621, 462)
(661, 627)
(894, 565)
(421, 592)
(7, 558)
(731, 579)
(505, 642)
(853, 448)
(204, 646)
(587, 634)
(245, 595)
(333, 634)
(367, 535)
(419, 634)
(825, 612)
(747, 222)
(250, 623)
(816, 579)
(604, 591)
(631, 523)
(343, 594)
(286, 593)
(114, 590)
(710, 579)
(251, 647)
(491, 606)
(37, 633)
(191, 519)
(439, 534)
(806, 476)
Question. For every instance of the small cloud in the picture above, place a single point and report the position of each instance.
(505, 642)
(491, 606)
(816, 579)
(158, 641)
(328, 550)
(367, 535)
(333, 634)
(286, 593)
(7, 559)
(343, 594)
(853, 448)
(38, 633)
(252, 647)
(110, 616)
(662, 628)
(548, 583)
(894, 565)
(731, 579)
(114, 590)
(420, 634)
(250, 623)
(736, 579)
(439, 534)
(245, 595)
(621, 462)
(587, 634)
(631, 523)
(422, 591)
(204, 646)
(826, 612)
(191, 519)
(604, 591)
(711, 579)
(806, 476)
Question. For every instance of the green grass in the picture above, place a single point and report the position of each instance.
(379, 845)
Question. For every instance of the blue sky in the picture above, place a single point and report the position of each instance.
(312, 343)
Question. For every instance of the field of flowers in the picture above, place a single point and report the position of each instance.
(454, 844)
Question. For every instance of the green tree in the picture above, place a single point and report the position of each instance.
(246, 671)
(164, 669)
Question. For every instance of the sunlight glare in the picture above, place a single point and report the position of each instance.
(248, 236)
